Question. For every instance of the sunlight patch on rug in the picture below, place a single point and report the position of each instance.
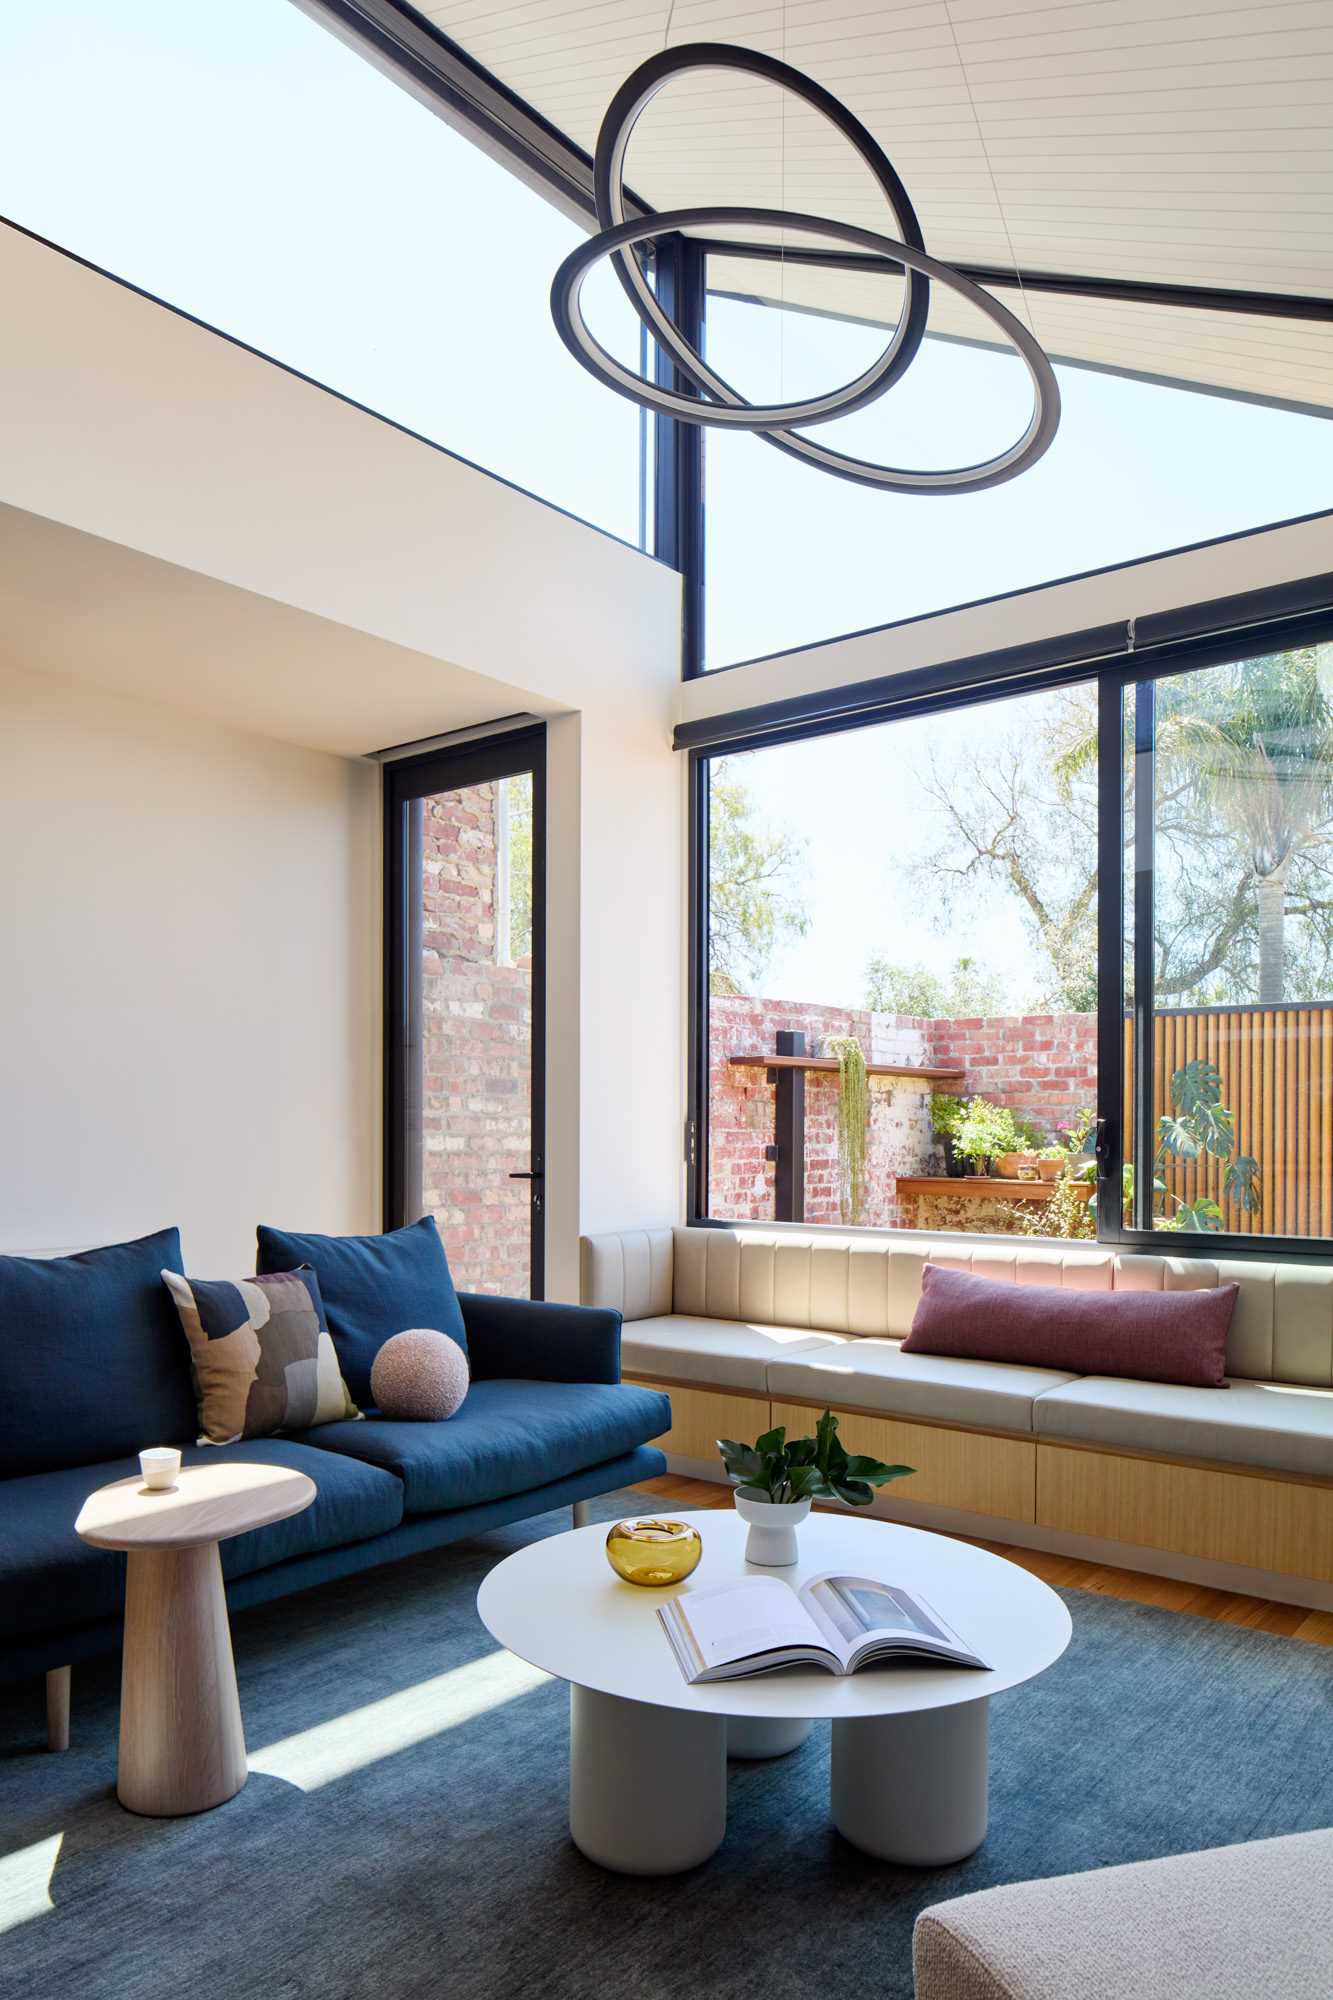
(25, 1881)
(330, 1750)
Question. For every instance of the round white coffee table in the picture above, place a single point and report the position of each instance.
(648, 1753)
(182, 1744)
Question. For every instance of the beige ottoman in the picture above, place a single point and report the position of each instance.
(1234, 1923)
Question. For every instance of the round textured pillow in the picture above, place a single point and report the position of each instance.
(419, 1375)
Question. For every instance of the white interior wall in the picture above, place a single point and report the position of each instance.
(1221, 569)
(127, 422)
(191, 927)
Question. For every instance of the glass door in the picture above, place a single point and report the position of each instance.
(464, 1057)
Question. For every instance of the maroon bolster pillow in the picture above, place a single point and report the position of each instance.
(1149, 1336)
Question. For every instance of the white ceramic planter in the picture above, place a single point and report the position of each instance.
(772, 1537)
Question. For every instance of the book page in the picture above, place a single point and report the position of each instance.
(736, 1621)
(854, 1607)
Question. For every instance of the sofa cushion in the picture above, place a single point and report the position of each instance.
(1156, 1336)
(261, 1353)
(1229, 1924)
(373, 1287)
(52, 1581)
(732, 1353)
(508, 1437)
(91, 1356)
(1273, 1424)
(881, 1375)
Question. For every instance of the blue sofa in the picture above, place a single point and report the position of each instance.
(546, 1423)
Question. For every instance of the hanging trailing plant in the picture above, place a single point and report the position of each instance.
(853, 1123)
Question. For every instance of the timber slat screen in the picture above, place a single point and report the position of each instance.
(1276, 1065)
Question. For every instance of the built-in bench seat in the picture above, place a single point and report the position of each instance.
(734, 1353)
(746, 1327)
(1278, 1425)
(873, 1374)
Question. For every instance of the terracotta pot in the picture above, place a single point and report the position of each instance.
(1009, 1164)
(1050, 1170)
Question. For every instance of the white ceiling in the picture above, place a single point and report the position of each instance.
(1168, 140)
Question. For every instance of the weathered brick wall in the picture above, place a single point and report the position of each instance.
(1044, 1065)
(1040, 1064)
(476, 1064)
(741, 1110)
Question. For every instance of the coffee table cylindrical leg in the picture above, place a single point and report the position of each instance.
(756, 1736)
(647, 1786)
(913, 1788)
(182, 1745)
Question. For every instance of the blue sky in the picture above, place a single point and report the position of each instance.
(246, 165)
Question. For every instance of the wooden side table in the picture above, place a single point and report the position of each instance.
(182, 1744)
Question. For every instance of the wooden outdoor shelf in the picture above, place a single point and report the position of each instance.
(989, 1187)
(831, 1063)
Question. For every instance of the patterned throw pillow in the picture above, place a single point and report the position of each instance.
(262, 1356)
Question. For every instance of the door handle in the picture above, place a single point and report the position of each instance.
(527, 1177)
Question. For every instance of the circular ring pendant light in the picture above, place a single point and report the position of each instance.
(721, 406)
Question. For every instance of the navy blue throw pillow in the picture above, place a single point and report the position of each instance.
(373, 1287)
(91, 1356)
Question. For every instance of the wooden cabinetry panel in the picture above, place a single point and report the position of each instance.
(699, 1417)
(954, 1468)
(1193, 1510)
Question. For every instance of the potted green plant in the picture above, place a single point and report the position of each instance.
(945, 1112)
(776, 1481)
(986, 1133)
(1051, 1161)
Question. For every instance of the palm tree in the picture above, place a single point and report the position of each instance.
(1252, 745)
(1255, 741)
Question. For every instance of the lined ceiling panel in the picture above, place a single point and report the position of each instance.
(1163, 140)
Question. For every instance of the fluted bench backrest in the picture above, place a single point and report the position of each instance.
(1282, 1330)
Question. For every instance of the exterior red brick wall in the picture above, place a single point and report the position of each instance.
(477, 1052)
(1044, 1065)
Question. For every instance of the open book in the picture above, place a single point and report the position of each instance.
(836, 1622)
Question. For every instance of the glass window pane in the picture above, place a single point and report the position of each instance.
(475, 1126)
(252, 169)
(925, 890)
(795, 556)
(1241, 940)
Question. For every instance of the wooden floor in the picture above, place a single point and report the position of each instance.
(1291, 1621)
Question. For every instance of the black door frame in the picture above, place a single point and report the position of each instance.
(407, 782)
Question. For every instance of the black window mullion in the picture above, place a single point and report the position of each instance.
(1110, 959)
(678, 458)
(1145, 822)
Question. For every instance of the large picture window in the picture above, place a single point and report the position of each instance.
(913, 1019)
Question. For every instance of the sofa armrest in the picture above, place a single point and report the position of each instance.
(537, 1342)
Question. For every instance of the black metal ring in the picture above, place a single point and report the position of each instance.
(623, 113)
(586, 349)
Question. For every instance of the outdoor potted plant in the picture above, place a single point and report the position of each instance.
(986, 1133)
(776, 1481)
(945, 1112)
(1051, 1162)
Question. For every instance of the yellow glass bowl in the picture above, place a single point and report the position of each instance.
(654, 1552)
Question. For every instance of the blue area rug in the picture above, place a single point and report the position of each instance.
(405, 1835)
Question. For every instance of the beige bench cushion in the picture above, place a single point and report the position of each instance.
(727, 1353)
(1273, 1424)
(877, 1375)
(1231, 1924)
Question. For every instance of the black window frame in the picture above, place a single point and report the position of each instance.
(1287, 615)
(407, 781)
